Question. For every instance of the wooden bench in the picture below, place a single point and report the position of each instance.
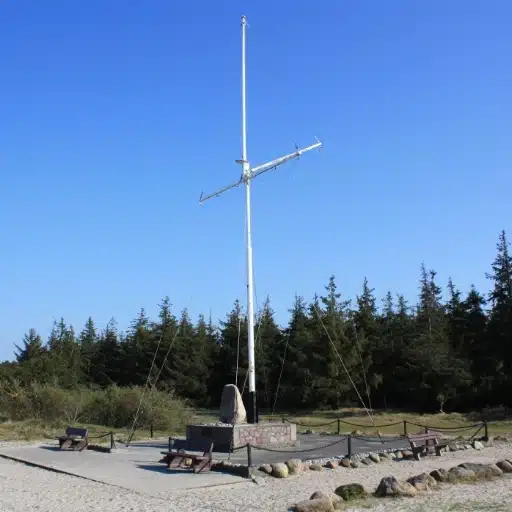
(75, 439)
(200, 463)
(422, 443)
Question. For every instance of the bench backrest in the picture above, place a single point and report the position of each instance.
(429, 436)
(75, 431)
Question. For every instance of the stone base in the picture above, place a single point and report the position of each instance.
(227, 437)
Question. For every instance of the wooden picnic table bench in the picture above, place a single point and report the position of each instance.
(74, 438)
(422, 443)
(200, 463)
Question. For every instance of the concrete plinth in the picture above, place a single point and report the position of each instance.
(227, 437)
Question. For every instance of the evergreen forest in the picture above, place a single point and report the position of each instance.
(451, 350)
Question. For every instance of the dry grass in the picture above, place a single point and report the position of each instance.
(36, 429)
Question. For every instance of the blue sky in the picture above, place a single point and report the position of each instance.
(114, 116)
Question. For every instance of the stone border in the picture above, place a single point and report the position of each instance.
(298, 466)
(391, 487)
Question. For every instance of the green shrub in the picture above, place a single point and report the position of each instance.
(113, 407)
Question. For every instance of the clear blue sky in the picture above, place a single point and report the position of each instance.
(115, 114)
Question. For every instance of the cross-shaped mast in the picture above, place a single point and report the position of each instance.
(248, 174)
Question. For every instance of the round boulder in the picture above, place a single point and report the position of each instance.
(391, 487)
(295, 466)
(440, 475)
(351, 492)
(280, 470)
(505, 466)
(374, 457)
(423, 482)
(266, 468)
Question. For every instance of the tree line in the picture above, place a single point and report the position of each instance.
(453, 354)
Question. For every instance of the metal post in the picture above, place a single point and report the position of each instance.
(405, 428)
(151, 430)
(249, 460)
(248, 174)
(170, 444)
(486, 430)
(253, 415)
(112, 443)
(349, 446)
(339, 426)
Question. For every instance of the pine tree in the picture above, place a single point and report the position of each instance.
(189, 369)
(294, 386)
(88, 341)
(108, 366)
(269, 351)
(32, 347)
(499, 337)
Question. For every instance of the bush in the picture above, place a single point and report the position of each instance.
(111, 407)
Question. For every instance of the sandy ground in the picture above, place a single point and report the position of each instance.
(26, 488)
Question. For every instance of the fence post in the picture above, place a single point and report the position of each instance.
(151, 430)
(249, 460)
(170, 443)
(112, 443)
(405, 428)
(486, 430)
(349, 446)
(339, 426)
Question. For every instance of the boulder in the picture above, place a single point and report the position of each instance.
(356, 464)
(407, 454)
(316, 467)
(266, 468)
(316, 505)
(295, 466)
(280, 470)
(392, 455)
(477, 445)
(367, 462)
(459, 474)
(440, 475)
(232, 408)
(391, 487)
(351, 492)
(345, 463)
(505, 466)
(483, 471)
(398, 455)
(374, 457)
(385, 456)
(332, 464)
(423, 482)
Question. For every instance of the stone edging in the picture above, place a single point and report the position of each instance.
(391, 487)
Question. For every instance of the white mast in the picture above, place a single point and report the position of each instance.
(248, 174)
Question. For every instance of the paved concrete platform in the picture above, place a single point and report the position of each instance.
(135, 468)
(311, 446)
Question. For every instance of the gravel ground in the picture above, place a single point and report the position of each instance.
(27, 488)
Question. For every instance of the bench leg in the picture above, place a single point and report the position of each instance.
(65, 444)
(202, 466)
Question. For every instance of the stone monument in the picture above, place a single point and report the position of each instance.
(233, 431)
(232, 409)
